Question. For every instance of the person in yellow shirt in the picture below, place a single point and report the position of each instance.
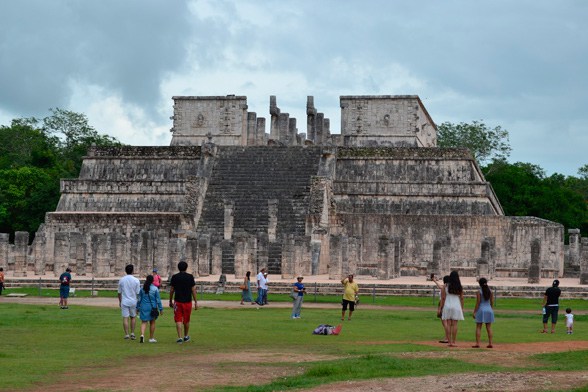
(350, 291)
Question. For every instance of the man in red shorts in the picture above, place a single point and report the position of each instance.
(182, 289)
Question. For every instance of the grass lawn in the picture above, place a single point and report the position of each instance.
(48, 341)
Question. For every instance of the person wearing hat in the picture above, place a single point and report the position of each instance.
(156, 279)
(64, 282)
(551, 306)
(299, 298)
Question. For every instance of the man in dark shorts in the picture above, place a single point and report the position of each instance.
(551, 305)
(64, 281)
(182, 289)
(349, 293)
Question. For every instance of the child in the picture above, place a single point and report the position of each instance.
(569, 321)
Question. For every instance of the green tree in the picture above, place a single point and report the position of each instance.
(524, 190)
(485, 143)
(75, 136)
(26, 194)
(23, 145)
(34, 155)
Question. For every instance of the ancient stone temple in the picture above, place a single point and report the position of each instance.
(379, 199)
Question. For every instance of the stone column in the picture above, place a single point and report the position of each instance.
(260, 137)
(584, 261)
(310, 118)
(315, 254)
(204, 254)
(284, 128)
(216, 260)
(21, 244)
(535, 265)
(101, 255)
(288, 270)
(4, 246)
(272, 227)
(292, 133)
(61, 255)
(319, 128)
(274, 113)
(262, 252)
(574, 248)
(337, 242)
(229, 219)
(385, 258)
(251, 128)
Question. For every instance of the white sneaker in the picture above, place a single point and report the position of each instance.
(152, 341)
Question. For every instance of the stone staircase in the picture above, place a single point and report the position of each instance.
(249, 180)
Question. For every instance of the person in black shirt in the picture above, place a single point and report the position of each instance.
(182, 289)
(551, 306)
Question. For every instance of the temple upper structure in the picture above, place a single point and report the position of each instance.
(234, 193)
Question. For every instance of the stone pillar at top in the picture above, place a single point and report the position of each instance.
(274, 119)
(310, 119)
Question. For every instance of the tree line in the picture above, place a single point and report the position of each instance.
(36, 153)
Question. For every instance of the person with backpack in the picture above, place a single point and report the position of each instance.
(64, 282)
(298, 292)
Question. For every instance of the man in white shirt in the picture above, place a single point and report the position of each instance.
(261, 287)
(128, 290)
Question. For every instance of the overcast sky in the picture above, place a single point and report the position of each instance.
(521, 65)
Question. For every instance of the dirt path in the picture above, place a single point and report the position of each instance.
(201, 370)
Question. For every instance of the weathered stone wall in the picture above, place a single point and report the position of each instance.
(223, 118)
(428, 181)
(101, 244)
(463, 238)
(386, 120)
(378, 200)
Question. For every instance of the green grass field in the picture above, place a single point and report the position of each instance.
(48, 341)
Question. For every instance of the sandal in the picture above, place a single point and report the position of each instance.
(476, 346)
(489, 346)
(443, 341)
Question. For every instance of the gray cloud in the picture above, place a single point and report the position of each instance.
(515, 64)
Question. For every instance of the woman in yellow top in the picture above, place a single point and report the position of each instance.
(350, 291)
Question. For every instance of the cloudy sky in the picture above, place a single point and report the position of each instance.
(521, 65)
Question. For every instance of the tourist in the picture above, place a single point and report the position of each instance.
(551, 305)
(1, 280)
(300, 290)
(351, 289)
(452, 306)
(569, 321)
(483, 311)
(128, 290)
(440, 306)
(148, 300)
(265, 287)
(64, 282)
(261, 287)
(156, 279)
(182, 290)
(246, 295)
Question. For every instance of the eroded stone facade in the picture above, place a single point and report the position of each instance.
(379, 199)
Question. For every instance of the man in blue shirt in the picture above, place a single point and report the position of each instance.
(64, 282)
(300, 290)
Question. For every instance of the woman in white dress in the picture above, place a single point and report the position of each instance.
(452, 304)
